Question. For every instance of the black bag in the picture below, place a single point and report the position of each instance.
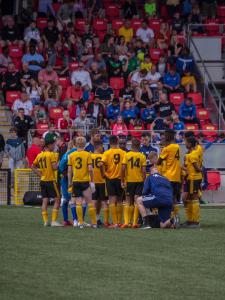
(32, 198)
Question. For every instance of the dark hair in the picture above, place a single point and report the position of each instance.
(188, 134)
(145, 134)
(169, 134)
(136, 143)
(98, 144)
(192, 140)
(113, 140)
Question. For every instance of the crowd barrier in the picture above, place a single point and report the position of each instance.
(5, 187)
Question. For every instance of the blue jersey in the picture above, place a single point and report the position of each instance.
(90, 148)
(64, 161)
(160, 187)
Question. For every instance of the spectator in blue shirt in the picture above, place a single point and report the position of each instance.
(129, 112)
(113, 110)
(184, 62)
(179, 127)
(35, 60)
(187, 112)
(148, 114)
(171, 80)
(44, 7)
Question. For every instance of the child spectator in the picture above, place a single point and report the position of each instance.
(148, 114)
(119, 128)
(188, 81)
(113, 110)
(129, 113)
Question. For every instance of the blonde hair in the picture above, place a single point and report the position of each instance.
(153, 157)
(80, 142)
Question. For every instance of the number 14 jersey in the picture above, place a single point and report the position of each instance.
(135, 161)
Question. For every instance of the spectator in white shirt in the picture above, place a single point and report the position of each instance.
(32, 33)
(154, 77)
(138, 77)
(24, 103)
(82, 76)
(145, 33)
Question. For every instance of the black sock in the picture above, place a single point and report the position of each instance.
(146, 221)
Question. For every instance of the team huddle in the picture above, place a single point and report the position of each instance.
(134, 188)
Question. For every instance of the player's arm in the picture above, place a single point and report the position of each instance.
(91, 173)
(123, 175)
(35, 167)
(55, 165)
(162, 157)
(70, 175)
(143, 172)
(197, 168)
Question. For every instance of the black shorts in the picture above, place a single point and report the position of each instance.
(193, 186)
(79, 188)
(134, 189)
(114, 187)
(49, 189)
(176, 191)
(100, 192)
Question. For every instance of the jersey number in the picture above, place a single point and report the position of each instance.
(43, 163)
(177, 155)
(78, 161)
(116, 159)
(134, 163)
(95, 162)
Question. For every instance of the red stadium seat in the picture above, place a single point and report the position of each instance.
(56, 6)
(55, 113)
(112, 12)
(11, 96)
(221, 12)
(15, 51)
(42, 23)
(192, 127)
(64, 82)
(155, 54)
(181, 39)
(100, 25)
(209, 132)
(212, 26)
(117, 83)
(41, 128)
(136, 23)
(176, 98)
(214, 180)
(73, 66)
(80, 25)
(101, 35)
(203, 115)
(116, 24)
(197, 98)
(154, 24)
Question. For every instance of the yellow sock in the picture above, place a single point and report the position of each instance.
(79, 212)
(136, 214)
(126, 214)
(55, 213)
(112, 209)
(106, 215)
(44, 216)
(188, 211)
(195, 211)
(92, 214)
(119, 210)
(131, 213)
(176, 209)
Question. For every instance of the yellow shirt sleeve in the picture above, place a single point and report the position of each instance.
(104, 158)
(89, 159)
(163, 154)
(35, 162)
(144, 161)
(193, 158)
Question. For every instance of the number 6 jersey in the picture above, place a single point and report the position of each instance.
(112, 160)
(80, 160)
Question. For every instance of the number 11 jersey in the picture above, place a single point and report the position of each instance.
(44, 162)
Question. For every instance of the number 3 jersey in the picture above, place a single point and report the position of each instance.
(96, 161)
(134, 161)
(79, 161)
(171, 162)
(112, 160)
(44, 162)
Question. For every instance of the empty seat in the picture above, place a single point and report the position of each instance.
(192, 127)
(73, 66)
(203, 115)
(117, 83)
(116, 24)
(64, 82)
(41, 128)
(55, 113)
(136, 23)
(112, 11)
(99, 25)
(154, 24)
(80, 25)
(11, 96)
(176, 98)
(41, 23)
(212, 26)
(155, 54)
(214, 180)
(15, 51)
(209, 131)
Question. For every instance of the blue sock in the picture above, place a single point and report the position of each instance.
(65, 210)
(73, 211)
(84, 209)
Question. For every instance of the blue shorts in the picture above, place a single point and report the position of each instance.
(64, 189)
(164, 207)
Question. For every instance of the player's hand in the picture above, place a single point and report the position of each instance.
(70, 189)
(123, 185)
(92, 185)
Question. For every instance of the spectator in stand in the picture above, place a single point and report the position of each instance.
(187, 112)
(113, 110)
(108, 47)
(79, 9)
(104, 92)
(5, 59)
(2, 149)
(171, 81)
(52, 130)
(45, 7)
(23, 123)
(46, 75)
(177, 22)
(96, 75)
(95, 137)
(82, 121)
(83, 76)
(148, 114)
(115, 66)
(161, 65)
(97, 58)
(11, 79)
(119, 128)
(160, 124)
(188, 82)
(164, 107)
(136, 127)
(163, 36)
(50, 33)
(10, 33)
(23, 103)
(74, 94)
(129, 9)
(154, 79)
(185, 61)
(95, 108)
(146, 63)
(146, 34)
(64, 124)
(34, 92)
(65, 14)
(130, 64)
(138, 77)
(52, 93)
(143, 94)
(15, 150)
(32, 33)
(35, 60)
(33, 150)
(25, 76)
(178, 126)
(150, 8)
(129, 113)
(126, 31)
(172, 6)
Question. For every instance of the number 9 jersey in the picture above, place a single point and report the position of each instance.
(112, 160)
(80, 160)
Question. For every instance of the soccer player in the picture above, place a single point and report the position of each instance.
(99, 196)
(66, 196)
(132, 178)
(111, 165)
(157, 193)
(95, 137)
(170, 163)
(193, 169)
(45, 165)
(80, 178)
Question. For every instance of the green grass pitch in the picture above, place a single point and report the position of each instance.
(67, 263)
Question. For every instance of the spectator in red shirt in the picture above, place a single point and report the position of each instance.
(64, 124)
(33, 150)
(46, 75)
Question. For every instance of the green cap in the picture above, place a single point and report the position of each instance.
(50, 138)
